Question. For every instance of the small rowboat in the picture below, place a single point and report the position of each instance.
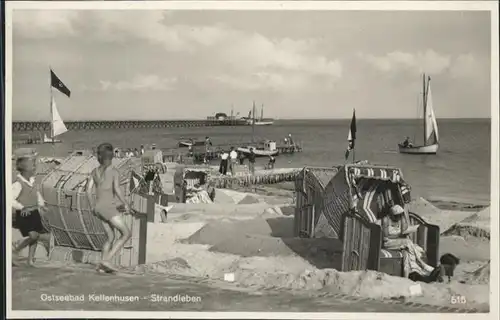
(188, 143)
(258, 152)
(49, 140)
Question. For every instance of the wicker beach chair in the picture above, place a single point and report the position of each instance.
(77, 234)
(349, 208)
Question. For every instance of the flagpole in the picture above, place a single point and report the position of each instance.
(51, 112)
(50, 105)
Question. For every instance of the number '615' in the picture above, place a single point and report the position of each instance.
(458, 299)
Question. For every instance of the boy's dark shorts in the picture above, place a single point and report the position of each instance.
(32, 222)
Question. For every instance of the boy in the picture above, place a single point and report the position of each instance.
(27, 204)
(251, 161)
(105, 178)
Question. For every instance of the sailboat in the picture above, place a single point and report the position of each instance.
(263, 121)
(269, 148)
(57, 126)
(258, 121)
(431, 135)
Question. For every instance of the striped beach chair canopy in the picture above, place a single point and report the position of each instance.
(374, 187)
(366, 188)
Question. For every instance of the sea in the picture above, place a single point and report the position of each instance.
(459, 172)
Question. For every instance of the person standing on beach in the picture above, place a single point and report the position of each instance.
(223, 163)
(142, 149)
(105, 178)
(208, 144)
(241, 157)
(233, 156)
(28, 204)
(251, 161)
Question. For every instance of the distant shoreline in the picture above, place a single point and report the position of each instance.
(275, 119)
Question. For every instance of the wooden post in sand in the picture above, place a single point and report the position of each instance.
(143, 207)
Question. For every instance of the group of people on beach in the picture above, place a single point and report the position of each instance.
(229, 160)
(129, 153)
(29, 206)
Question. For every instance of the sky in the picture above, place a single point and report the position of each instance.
(161, 64)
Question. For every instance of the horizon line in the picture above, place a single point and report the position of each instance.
(275, 119)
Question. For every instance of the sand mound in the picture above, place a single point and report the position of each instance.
(219, 231)
(322, 253)
(222, 197)
(472, 249)
(249, 199)
(367, 284)
(281, 210)
(271, 237)
(480, 276)
(230, 196)
(442, 218)
(423, 207)
(253, 246)
(475, 225)
(260, 254)
(226, 196)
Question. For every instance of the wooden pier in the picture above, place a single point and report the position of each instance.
(24, 126)
(289, 149)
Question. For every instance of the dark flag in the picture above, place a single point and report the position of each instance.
(58, 84)
(351, 137)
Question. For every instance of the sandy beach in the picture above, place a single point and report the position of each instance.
(248, 237)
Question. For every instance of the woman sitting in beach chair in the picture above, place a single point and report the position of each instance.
(396, 229)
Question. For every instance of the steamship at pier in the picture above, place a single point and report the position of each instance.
(251, 119)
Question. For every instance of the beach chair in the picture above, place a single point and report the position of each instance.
(349, 208)
(76, 233)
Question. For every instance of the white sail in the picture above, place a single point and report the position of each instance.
(58, 126)
(430, 118)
